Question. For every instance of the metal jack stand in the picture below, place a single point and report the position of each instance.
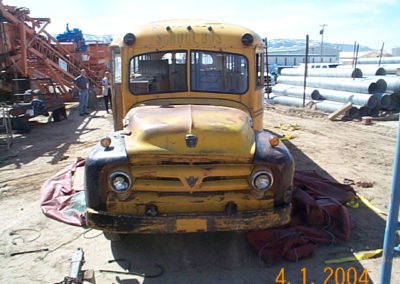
(76, 274)
(392, 224)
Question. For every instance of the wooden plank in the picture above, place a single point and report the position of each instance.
(343, 109)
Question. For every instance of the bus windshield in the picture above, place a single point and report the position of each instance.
(166, 71)
(158, 72)
(218, 72)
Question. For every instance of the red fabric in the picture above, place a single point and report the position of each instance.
(57, 193)
(317, 217)
(319, 186)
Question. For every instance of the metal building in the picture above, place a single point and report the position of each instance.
(292, 56)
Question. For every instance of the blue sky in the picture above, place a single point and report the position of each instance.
(369, 22)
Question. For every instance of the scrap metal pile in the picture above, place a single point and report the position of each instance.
(371, 88)
(27, 50)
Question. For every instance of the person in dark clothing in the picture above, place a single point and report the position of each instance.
(82, 83)
(106, 91)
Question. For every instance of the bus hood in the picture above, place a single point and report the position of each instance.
(190, 130)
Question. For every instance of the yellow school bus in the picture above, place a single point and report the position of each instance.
(189, 152)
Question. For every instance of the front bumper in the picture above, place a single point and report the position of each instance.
(186, 223)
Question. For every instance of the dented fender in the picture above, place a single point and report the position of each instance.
(278, 157)
(97, 163)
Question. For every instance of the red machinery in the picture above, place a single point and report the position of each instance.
(27, 50)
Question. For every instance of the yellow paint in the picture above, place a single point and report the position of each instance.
(159, 130)
(370, 206)
(182, 186)
(191, 225)
(356, 257)
(257, 222)
(191, 185)
(186, 159)
(185, 203)
(223, 37)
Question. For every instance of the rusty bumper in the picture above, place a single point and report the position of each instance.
(189, 223)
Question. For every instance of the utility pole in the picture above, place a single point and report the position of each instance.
(305, 71)
(380, 55)
(321, 32)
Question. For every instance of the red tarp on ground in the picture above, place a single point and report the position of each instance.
(318, 215)
(62, 197)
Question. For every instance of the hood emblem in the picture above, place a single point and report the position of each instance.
(191, 140)
(191, 180)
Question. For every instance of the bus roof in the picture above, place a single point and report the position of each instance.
(190, 33)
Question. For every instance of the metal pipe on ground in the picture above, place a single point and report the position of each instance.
(295, 91)
(392, 83)
(326, 106)
(353, 112)
(358, 85)
(385, 100)
(285, 100)
(367, 70)
(331, 106)
(381, 85)
(372, 71)
(392, 69)
(326, 72)
(363, 111)
(362, 99)
(374, 111)
(395, 103)
(383, 60)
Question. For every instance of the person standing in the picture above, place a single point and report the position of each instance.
(82, 83)
(106, 83)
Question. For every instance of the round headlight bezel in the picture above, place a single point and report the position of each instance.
(258, 175)
(127, 177)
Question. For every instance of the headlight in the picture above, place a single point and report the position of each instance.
(129, 38)
(262, 180)
(105, 142)
(247, 39)
(120, 181)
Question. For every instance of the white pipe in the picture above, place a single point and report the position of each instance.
(285, 100)
(358, 85)
(324, 72)
(384, 60)
(392, 83)
(325, 105)
(296, 91)
(393, 69)
(367, 70)
(385, 100)
(367, 100)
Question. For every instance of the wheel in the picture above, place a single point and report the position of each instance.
(59, 114)
(21, 124)
(114, 237)
(56, 115)
(63, 112)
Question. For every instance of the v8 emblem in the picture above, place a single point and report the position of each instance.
(191, 180)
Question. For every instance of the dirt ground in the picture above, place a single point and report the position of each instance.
(340, 149)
